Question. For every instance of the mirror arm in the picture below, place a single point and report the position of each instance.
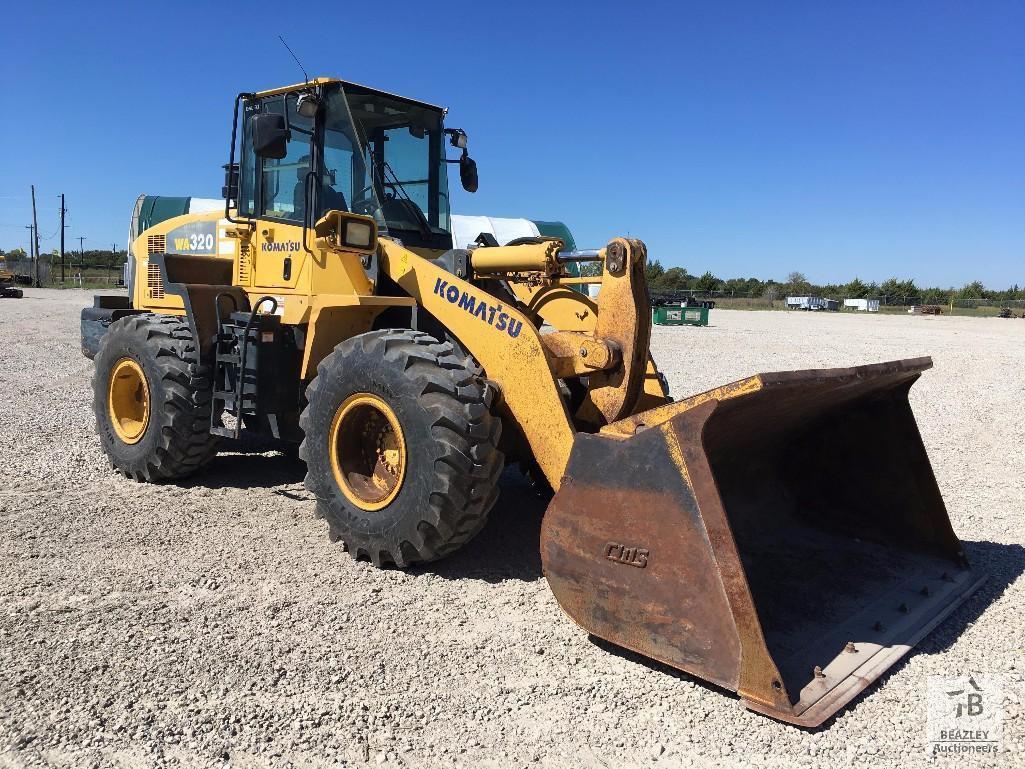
(231, 161)
(459, 159)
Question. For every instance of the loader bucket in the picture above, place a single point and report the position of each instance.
(782, 536)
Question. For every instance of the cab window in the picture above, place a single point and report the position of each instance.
(272, 188)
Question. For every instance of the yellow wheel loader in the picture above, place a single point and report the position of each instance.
(8, 282)
(782, 536)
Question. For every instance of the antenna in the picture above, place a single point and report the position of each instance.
(305, 76)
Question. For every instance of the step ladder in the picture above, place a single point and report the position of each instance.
(235, 373)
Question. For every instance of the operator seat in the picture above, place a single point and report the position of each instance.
(330, 198)
(403, 213)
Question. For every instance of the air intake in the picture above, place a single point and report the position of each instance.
(154, 281)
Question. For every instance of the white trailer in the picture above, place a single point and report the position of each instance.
(806, 303)
(862, 305)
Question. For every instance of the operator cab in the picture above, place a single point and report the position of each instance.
(329, 145)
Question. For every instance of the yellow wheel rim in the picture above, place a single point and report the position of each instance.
(128, 401)
(368, 451)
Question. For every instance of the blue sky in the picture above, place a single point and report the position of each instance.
(865, 138)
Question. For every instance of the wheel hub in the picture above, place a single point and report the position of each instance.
(367, 451)
(128, 401)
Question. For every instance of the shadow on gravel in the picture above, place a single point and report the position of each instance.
(658, 667)
(1002, 563)
(509, 545)
(248, 471)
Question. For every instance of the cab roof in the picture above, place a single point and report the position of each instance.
(348, 84)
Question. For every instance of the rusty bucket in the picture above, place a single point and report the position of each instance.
(782, 536)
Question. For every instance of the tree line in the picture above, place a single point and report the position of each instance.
(677, 279)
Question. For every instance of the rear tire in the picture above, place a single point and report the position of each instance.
(164, 433)
(427, 417)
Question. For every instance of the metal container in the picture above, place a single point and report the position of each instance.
(761, 537)
(675, 315)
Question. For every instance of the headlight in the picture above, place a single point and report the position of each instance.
(357, 234)
(340, 231)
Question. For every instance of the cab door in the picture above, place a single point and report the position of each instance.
(278, 254)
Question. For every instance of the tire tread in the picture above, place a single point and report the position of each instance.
(457, 399)
(183, 394)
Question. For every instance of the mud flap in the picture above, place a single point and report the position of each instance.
(782, 536)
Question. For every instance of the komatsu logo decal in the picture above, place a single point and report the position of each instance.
(489, 313)
(284, 245)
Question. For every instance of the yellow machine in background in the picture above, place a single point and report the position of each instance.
(8, 282)
(754, 535)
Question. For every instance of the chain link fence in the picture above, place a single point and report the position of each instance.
(75, 275)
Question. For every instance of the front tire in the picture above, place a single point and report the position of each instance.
(401, 447)
(151, 400)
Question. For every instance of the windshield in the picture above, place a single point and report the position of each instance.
(405, 150)
(347, 184)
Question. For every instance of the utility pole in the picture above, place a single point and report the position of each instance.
(35, 234)
(63, 211)
(31, 241)
(81, 258)
(113, 256)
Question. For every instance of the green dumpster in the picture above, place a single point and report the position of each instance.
(674, 315)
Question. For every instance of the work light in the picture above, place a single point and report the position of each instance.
(307, 105)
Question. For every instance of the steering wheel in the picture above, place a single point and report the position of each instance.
(363, 203)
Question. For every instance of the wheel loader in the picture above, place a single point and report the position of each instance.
(9, 282)
(782, 536)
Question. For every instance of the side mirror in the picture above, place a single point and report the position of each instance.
(270, 136)
(230, 189)
(468, 172)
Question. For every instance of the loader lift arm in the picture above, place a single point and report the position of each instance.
(504, 341)
(610, 343)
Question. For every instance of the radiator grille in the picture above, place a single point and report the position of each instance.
(156, 244)
(154, 283)
(243, 264)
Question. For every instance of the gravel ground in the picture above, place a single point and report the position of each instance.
(212, 623)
